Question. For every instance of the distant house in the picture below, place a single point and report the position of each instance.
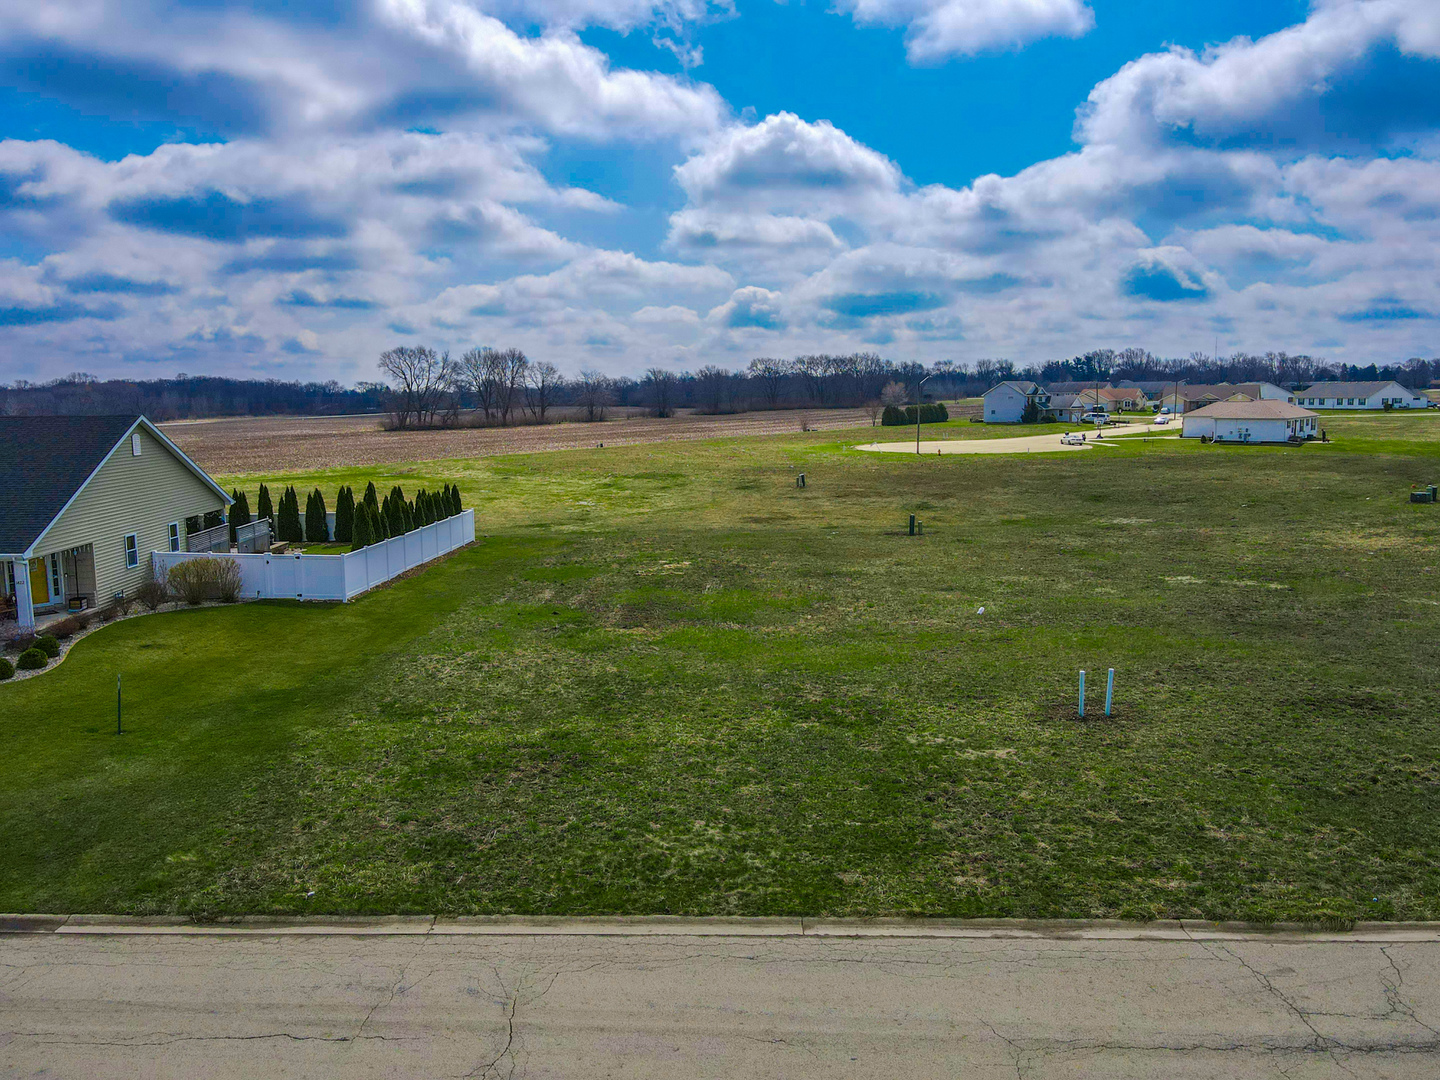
(1006, 402)
(1113, 399)
(84, 501)
(1361, 395)
(1187, 397)
(1065, 407)
(1250, 422)
(1151, 388)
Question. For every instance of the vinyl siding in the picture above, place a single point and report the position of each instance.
(129, 494)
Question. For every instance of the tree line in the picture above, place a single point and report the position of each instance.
(186, 397)
(426, 388)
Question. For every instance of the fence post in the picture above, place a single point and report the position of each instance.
(1082, 693)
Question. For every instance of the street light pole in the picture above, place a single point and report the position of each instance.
(919, 397)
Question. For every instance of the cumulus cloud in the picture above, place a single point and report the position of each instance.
(939, 29)
(267, 69)
(1355, 73)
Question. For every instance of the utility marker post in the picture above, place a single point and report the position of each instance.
(118, 706)
(1109, 690)
(1082, 693)
(919, 397)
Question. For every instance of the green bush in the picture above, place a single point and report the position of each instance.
(7, 669)
(32, 659)
(48, 645)
(931, 413)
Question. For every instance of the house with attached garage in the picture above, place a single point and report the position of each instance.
(1007, 402)
(83, 502)
(1361, 395)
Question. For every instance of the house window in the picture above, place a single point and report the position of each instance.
(174, 536)
(135, 444)
(132, 551)
(56, 589)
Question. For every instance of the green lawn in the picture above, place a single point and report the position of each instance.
(668, 680)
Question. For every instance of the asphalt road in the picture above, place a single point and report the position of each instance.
(761, 1001)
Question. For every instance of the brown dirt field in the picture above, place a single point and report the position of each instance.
(295, 443)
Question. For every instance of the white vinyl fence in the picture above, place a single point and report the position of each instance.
(335, 577)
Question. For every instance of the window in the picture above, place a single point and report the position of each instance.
(132, 551)
(56, 588)
(174, 536)
(135, 444)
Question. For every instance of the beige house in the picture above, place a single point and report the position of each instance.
(84, 500)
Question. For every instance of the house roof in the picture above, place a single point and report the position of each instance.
(1267, 409)
(1348, 389)
(1026, 388)
(45, 460)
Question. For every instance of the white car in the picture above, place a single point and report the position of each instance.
(1095, 418)
(1070, 438)
(1161, 420)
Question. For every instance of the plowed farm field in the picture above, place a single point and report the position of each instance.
(294, 443)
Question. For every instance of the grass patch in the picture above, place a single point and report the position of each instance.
(669, 681)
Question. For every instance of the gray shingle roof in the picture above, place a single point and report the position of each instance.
(1346, 389)
(43, 462)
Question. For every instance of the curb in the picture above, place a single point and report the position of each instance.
(721, 927)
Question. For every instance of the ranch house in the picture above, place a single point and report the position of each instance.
(84, 501)
(1250, 422)
(1361, 395)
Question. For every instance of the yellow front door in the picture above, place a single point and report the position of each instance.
(39, 582)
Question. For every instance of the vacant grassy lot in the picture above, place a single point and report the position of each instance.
(668, 680)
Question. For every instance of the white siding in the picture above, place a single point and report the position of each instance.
(1004, 405)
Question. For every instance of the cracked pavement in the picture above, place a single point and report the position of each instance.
(502, 1006)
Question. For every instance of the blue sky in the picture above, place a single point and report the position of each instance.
(271, 189)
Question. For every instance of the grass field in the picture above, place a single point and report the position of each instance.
(669, 681)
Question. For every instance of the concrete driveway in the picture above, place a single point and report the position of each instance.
(759, 999)
(1021, 444)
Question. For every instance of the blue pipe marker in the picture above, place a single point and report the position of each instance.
(1109, 690)
(1082, 693)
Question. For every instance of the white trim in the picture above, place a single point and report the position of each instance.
(29, 552)
(174, 534)
(126, 544)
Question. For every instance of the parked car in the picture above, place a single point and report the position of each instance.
(1162, 419)
(1097, 417)
(1164, 410)
(1071, 438)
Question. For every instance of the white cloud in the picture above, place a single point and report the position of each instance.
(1307, 85)
(939, 29)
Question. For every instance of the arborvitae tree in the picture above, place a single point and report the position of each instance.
(455, 505)
(364, 535)
(290, 526)
(424, 507)
(316, 525)
(263, 507)
(372, 500)
(345, 515)
(395, 512)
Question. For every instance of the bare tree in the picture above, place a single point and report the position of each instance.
(593, 394)
(542, 383)
(422, 377)
(814, 369)
(894, 394)
(485, 373)
(512, 366)
(873, 409)
(660, 386)
(770, 374)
